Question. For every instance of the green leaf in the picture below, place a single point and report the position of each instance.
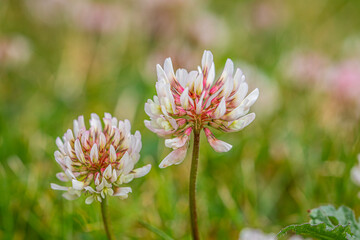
(327, 222)
(318, 231)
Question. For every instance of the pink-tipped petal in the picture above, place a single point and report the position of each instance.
(241, 123)
(220, 110)
(140, 172)
(216, 144)
(175, 157)
(122, 191)
(176, 142)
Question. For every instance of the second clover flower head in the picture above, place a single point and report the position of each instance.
(97, 161)
(192, 101)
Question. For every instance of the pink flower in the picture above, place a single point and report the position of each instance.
(98, 161)
(187, 101)
(345, 79)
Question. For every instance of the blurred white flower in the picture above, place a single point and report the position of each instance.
(98, 161)
(355, 173)
(255, 234)
(188, 101)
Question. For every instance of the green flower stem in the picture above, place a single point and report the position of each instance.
(192, 187)
(105, 219)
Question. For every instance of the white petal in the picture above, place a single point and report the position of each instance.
(62, 177)
(94, 154)
(97, 179)
(77, 185)
(69, 150)
(168, 69)
(177, 142)
(182, 76)
(122, 191)
(113, 176)
(89, 189)
(198, 87)
(140, 172)
(89, 199)
(78, 151)
(241, 123)
(126, 163)
(207, 59)
(70, 196)
(216, 144)
(95, 122)
(69, 135)
(58, 187)
(184, 99)
(59, 158)
(85, 139)
(108, 172)
(210, 76)
(252, 97)
(220, 110)
(102, 141)
(112, 154)
(240, 93)
(199, 104)
(127, 178)
(238, 79)
(60, 145)
(175, 157)
(69, 173)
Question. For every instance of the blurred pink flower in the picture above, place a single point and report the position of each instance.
(267, 15)
(188, 101)
(206, 28)
(98, 161)
(305, 67)
(14, 51)
(90, 16)
(345, 79)
(96, 16)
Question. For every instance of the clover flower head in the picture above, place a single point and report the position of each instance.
(192, 101)
(98, 160)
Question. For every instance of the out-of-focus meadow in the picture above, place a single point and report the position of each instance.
(61, 58)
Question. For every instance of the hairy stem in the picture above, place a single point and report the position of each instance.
(192, 187)
(105, 219)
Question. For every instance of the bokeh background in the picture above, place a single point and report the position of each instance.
(61, 58)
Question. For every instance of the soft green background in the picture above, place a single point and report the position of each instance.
(295, 156)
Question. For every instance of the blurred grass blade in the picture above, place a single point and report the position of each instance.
(155, 230)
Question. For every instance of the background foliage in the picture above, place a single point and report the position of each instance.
(61, 58)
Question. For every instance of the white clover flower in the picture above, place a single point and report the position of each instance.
(98, 161)
(188, 101)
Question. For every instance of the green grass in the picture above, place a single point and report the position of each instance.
(295, 158)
